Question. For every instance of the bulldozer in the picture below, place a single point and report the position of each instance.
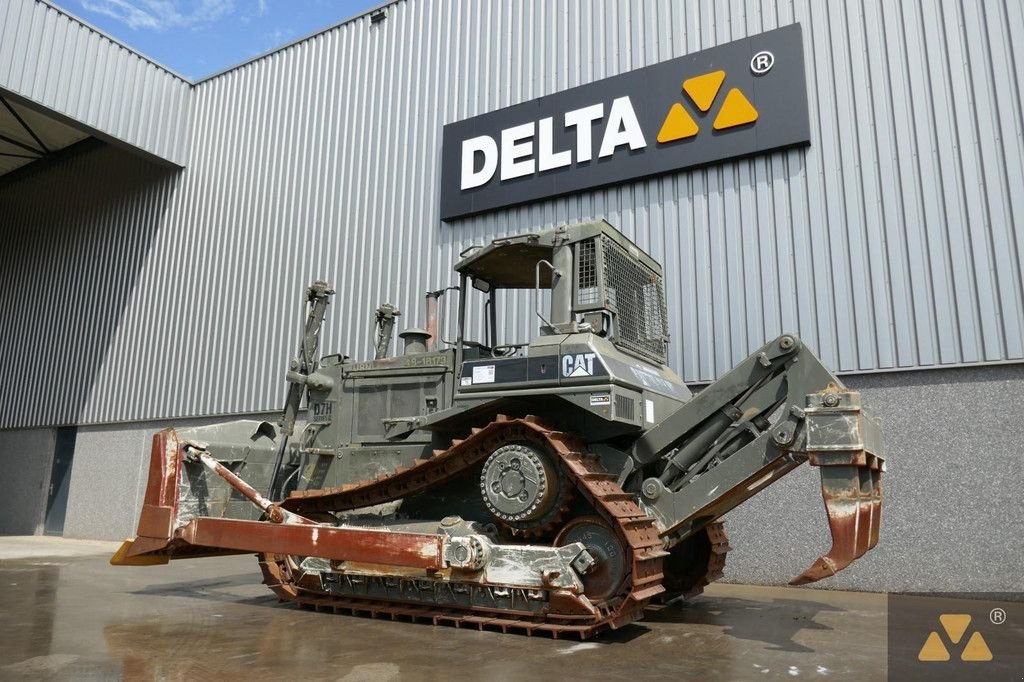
(557, 486)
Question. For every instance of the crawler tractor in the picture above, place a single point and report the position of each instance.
(557, 486)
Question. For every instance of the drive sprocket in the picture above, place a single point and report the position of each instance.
(524, 488)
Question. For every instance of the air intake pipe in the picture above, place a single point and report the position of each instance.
(386, 315)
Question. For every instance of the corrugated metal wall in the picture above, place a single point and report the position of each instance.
(893, 241)
(56, 61)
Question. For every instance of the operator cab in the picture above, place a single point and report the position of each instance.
(599, 302)
(599, 282)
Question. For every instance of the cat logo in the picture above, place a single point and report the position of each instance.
(578, 365)
(735, 111)
(955, 625)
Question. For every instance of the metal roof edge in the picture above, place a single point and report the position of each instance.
(121, 43)
(302, 39)
(221, 72)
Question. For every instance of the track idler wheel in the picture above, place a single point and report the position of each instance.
(524, 488)
(695, 562)
(602, 581)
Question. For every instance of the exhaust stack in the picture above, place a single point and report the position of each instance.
(432, 301)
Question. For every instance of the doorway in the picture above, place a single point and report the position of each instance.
(60, 480)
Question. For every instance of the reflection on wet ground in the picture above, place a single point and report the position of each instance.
(79, 618)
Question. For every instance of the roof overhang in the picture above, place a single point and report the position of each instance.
(28, 135)
(62, 81)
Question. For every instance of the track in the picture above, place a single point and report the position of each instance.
(564, 613)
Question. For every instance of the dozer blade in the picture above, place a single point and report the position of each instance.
(168, 504)
(126, 556)
(172, 526)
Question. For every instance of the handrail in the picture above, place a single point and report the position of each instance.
(536, 288)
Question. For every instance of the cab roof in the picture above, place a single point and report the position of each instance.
(511, 262)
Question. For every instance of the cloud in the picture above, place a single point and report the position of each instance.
(162, 14)
(277, 37)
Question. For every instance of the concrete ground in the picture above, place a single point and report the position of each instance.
(70, 615)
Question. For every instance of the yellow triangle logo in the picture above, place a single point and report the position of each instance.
(955, 625)
(736, 111)
(678, 125)
(976, 649)
(933, 649)
(702, 89)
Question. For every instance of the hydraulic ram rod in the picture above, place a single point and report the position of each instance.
(274, 513)
(721, 449)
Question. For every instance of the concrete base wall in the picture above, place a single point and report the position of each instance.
(951, 521)
(953, 492)
(25, 460)
(108, 478)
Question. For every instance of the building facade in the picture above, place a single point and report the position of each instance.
(157, 247)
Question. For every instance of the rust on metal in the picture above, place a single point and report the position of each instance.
(159, 508)
(432, 323)
(409, 550)
(696, 562)
(851, 487)
(274, 513)
(700, 458)
(568, 614)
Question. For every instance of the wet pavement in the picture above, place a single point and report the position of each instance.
(78, 618)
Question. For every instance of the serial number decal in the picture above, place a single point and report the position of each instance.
(424, 361)
(402, 361)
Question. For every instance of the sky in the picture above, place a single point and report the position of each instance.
(197, 38)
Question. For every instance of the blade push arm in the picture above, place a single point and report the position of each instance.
(318, 295)
(775, 410)
(301, 372)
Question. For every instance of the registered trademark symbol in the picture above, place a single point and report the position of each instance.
(997, 616)
(762, 62)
